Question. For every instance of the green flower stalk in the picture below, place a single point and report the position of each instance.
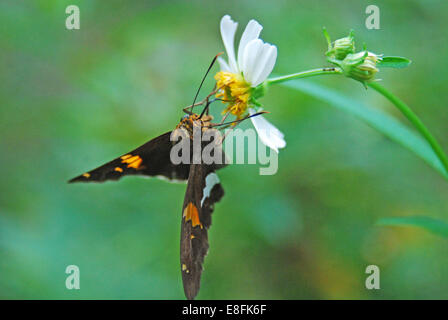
(363, 67)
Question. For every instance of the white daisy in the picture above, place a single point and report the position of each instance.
(238, 77)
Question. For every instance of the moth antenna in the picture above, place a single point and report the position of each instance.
(206, 108)
(203, 79)
(237, 121)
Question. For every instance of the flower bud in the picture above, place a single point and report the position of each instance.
(340, 48)
(361, 66)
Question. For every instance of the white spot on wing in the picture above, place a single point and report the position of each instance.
(210, 181)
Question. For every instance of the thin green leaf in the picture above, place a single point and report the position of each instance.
(394, 62)
(327, 36)
(432, 225)
(375, 118)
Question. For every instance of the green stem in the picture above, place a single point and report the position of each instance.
(412, 117)
(305, 74)
(405, 110)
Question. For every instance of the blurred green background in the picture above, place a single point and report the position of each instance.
(72, 100)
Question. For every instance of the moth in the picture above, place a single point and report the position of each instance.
(203, 186)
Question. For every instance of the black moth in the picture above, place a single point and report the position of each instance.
(153, 159)
(203, 186)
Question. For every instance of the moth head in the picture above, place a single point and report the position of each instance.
(188, 121)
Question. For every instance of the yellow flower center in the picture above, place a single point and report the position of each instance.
(234, 91)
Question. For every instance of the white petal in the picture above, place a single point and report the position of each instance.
(251, 32)
(251, 52)
(223, 64)
(228, 29)
(265, 64)
(268, 133)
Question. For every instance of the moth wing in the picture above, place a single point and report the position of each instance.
(150, 159)
(203, 191)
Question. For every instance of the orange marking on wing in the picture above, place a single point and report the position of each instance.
(132, 161)
(87, 175)
(127, 156)
(191, 213)
(118, 169)
(192, 237)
